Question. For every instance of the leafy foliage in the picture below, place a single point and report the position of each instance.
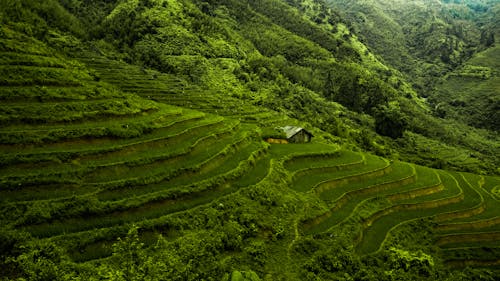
(99, 182)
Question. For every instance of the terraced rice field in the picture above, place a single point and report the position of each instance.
(175, 90)
(79, 156)
(82, 160)
(378, 197)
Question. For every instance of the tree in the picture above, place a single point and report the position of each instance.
(390, 121)
(43, 261)
(128, 259)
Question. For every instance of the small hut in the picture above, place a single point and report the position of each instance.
(297, 134)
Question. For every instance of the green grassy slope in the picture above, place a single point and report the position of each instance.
(299, 58)
(99, 182)
(70, 145)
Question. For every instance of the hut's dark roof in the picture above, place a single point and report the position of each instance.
(291, 131)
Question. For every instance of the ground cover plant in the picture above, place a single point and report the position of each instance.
(137, 151)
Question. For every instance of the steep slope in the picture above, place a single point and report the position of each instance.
(203, 193)
(295, 57)
(428, 39)
(97, 182)
(81, 160)
(422, 38)
(471, 92)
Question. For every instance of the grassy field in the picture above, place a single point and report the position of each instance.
(90, 146)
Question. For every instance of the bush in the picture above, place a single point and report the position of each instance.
(389, 121)
(275, 133)
(40, 14)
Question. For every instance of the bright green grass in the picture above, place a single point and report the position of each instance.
(91, 151)
(372, 234)
(30, 46)
(425, 178)
(132, 78)
(173, 90)
(14, 58)
(357, 193)
(491, 204)
(219, 166)
(127, 128)
(160, 110)
(173, 144)
(109, 152)
(375, 234)
(151, 165)
(477, 94)
(321, 160)
(472, 195)
(153, 209)
(456, 156)
(15, 75)
(399, 171)
(167, 124)
(234, 113)
(257, 172)
(308, 182)
(492, 186)
(282, 150)
(452, 189)
(213, 149)
(362, 207)
(74, 112)
(185, 175)
(13, 41)
(124, 163)
(89, 91)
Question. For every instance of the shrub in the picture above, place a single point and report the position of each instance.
(275, 133)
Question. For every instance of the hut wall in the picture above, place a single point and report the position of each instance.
(301, 137)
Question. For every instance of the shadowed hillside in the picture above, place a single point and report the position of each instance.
(446, 48)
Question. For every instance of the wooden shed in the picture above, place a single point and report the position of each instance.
(297, 134)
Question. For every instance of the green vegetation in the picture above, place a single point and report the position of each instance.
(447, 50)
(132, 146)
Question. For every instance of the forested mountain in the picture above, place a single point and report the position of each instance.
(430, 41)
(297, 57)
(423, 38)
(144, 119)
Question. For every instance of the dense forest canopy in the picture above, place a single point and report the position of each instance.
(430, 41)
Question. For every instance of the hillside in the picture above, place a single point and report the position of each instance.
(431, 42)
(132, 149)
(474, 85)
(424, 38)
(471, 92)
